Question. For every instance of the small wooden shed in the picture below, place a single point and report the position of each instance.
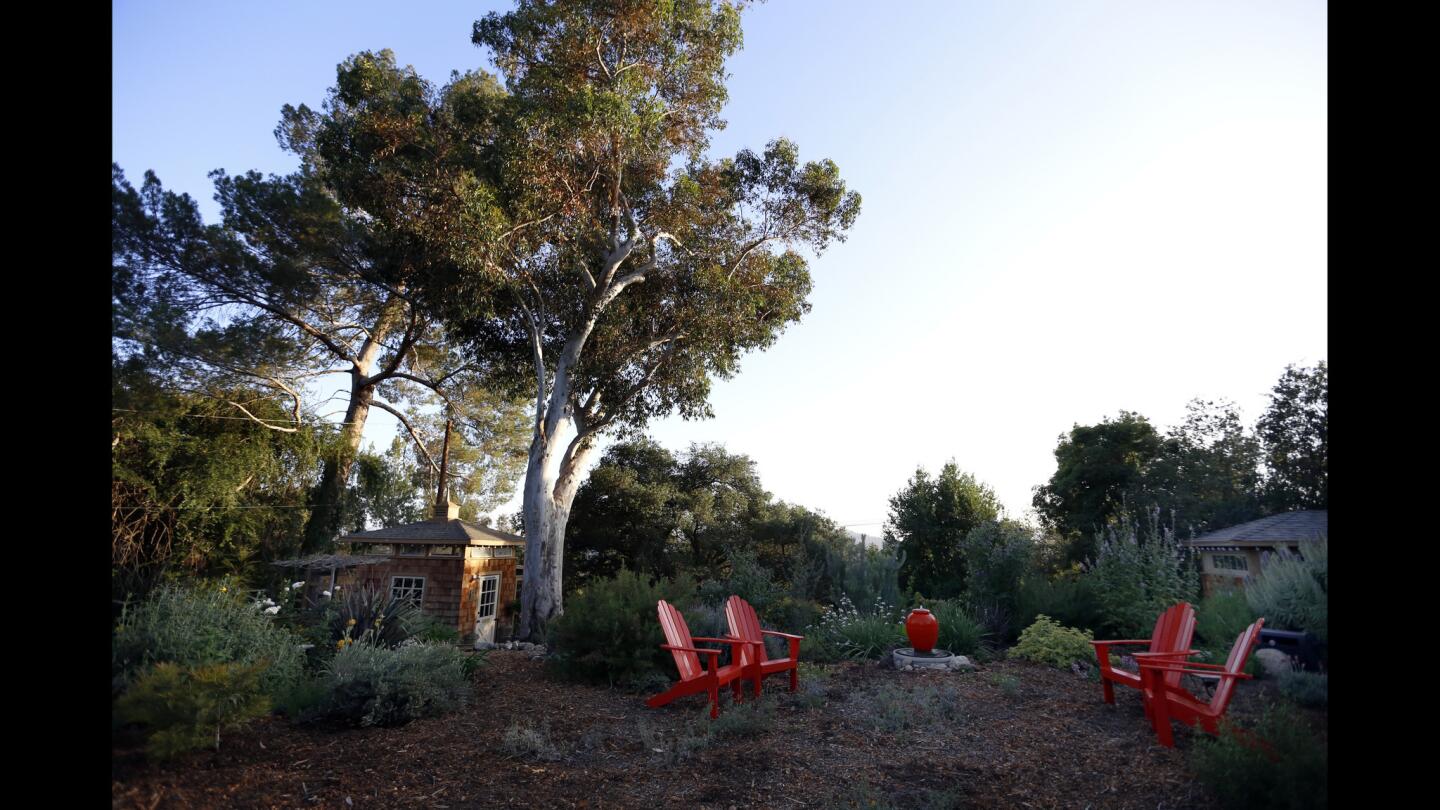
(1231, 556)
(459, 572)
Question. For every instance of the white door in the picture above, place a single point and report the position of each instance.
(485, 613)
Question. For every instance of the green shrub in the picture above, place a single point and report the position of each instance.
(1310, 689)
(610, 632)
(746, 720)
(747, 579)
(1136, 580)
(1069, 600)
(187, 707)
(960, 633)
(304, 700)
(1048, 642)
(434, 631)
(1221, 617)
(1291, 592)
(998, 555)
(1280, 763)
(202, 626)
(372, 685)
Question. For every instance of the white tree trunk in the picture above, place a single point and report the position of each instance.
(552, 478)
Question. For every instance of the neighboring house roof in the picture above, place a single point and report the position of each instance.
(332, 561)
(1284, 528)
(454, 530)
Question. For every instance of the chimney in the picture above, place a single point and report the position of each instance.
(444, 509)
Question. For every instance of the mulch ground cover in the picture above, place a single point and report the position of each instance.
(856, 735)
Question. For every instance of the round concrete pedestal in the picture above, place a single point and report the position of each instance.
(935, 659)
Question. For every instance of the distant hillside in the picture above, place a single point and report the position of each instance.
(872, 537)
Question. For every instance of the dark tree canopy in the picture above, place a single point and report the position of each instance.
(1293, 432)
(929, 520)
(1097, 467)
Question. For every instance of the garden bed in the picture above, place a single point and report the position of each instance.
(1008, 735)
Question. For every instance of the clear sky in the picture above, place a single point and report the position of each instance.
(1069, 208)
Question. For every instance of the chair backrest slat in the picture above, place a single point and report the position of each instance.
(677, 634)
(1173, 632)
(746, 625)
(1239, 654)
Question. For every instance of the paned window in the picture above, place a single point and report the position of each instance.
(410, 550)
(408, 589)
(1229, 562)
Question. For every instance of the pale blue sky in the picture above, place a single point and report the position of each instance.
(1069, 208)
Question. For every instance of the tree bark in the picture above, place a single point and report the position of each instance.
(552, 477)
(325, 510)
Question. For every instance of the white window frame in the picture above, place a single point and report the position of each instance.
(1216, 558)
(395, 583)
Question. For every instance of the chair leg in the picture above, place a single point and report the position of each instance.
(1109, 691)
(714, 701)
(1160, 720)
(735, 687)
(758, 680)
(794, 679)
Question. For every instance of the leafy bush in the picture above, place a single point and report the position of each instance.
(1310, 689)
(1069, 600)
(1291, 591)
(187, 707)
(1048, 642)
(435, 631)
(196, 627)
(610, 632)
(1136, 580)
(960, 633)
(1221, 617)
(1280, 763)
(376, 686)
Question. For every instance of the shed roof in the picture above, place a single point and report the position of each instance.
(1286, 527)
(332, 561)
(454, 530)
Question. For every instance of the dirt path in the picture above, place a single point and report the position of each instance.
(1011, 735)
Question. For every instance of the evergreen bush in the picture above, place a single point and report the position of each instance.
(1136, 579)
(610, 631)
(372, 685)
(185, 708)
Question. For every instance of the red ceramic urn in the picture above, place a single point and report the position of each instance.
(923, 630)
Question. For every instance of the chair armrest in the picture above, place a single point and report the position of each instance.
(780, 634)
(1192, 664)
(1194, 671)
(1180, 653)
(672, 647)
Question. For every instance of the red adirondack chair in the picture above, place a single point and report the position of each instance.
(1169, 641)
(695, 679)
(1166, 702)
(744, 624)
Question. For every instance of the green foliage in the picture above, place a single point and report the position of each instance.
(372, 615)
(194, 627)
(1221, 617)
(610, 632)
(1071, 600)
(1309, 689)
(1292, 590)
(373, 685)
(187, 707)
(1280, 763)
(1294, 433)
(1096, 466)
(1048, 642)
(998, 556)
(746, 721)
(928, 521)
(847, 632)
(434, 630)
(747, 579)
(196, 492)
(1136, 580)
(960, 632)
